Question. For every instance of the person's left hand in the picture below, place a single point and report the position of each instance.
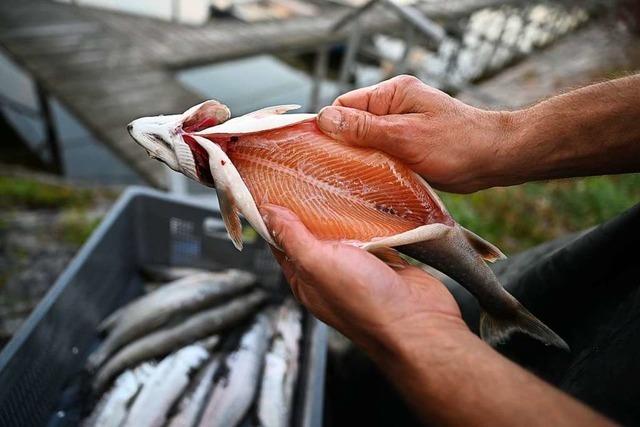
(358, 294)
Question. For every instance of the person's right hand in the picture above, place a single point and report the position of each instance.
(454, 146)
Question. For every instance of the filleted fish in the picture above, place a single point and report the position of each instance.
(356, 195)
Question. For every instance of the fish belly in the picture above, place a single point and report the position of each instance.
(339, 192)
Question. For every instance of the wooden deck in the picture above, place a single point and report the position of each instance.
(109, 68)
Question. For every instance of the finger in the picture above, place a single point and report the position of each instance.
(359, 99)
(283, 261)
(288, 270)
(394, 96)
(289, 232)
(387, 133)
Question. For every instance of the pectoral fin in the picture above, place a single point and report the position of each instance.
(486, 250)
(391, 257)
(231, 218)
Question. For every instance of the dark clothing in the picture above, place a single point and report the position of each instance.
(587, 291)
(586, 287)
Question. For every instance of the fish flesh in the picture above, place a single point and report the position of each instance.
(275, 399)
(151, 311)
(113, 407)
(233, 393)
(164, 386)
(340, 192)
(192, 403)
(163, 341)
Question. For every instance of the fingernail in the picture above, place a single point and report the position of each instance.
(330, 119)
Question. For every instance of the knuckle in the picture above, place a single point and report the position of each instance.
(362, 127)
(407, 80)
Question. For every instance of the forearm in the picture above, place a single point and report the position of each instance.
(456, 379)
(591, 131)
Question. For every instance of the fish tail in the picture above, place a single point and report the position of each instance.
(495, 329)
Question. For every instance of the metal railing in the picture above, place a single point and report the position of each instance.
(453, 55)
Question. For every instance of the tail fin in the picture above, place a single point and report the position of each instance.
(495, 330)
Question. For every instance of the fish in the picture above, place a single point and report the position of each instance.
(356, 195)
(113, 407)
(165, 273)
(151, 311)
(165, 340)
(275, 398)
(164, 387)
(191, 404)
(233, 393)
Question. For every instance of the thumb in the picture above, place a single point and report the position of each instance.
(358, 127)
(288, 231)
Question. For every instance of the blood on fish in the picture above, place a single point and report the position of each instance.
(201, 158)
(196, 126)
(338, 191)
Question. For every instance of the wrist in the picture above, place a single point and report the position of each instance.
(497, 165)
(408, 343)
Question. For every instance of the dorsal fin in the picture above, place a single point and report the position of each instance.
(276, 109)
(258, 121)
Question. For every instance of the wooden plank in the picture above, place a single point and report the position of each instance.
(109, 68)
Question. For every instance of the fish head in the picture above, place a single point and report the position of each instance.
(168, 139)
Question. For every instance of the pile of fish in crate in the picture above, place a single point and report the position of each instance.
(201, 349)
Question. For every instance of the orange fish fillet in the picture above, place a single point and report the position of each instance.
(338, 192)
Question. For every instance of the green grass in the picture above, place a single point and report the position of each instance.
(518, 217)
(514, 218)
(30, 193)
(75, 226)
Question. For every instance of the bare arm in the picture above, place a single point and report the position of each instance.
(456, 147)
(410, 325)
(590, 131)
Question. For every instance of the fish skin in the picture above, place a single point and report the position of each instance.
(275, 399)
(113, 407)
(163, 341)
(340, 192)
(151, 311)
(192, 403)
(164, 386)
(165, 273)
(233, 394)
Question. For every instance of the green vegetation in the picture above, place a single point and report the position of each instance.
(18, 192)
(76, 226)
(516, 218)
(73, 225)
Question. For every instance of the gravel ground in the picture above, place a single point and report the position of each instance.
(35, 247)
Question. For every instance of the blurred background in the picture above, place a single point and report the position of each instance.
(74, 73)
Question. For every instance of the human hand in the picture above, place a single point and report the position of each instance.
(410, 325)
(454, 146)
(356, 293)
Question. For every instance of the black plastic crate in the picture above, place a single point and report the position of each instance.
(144, 227)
